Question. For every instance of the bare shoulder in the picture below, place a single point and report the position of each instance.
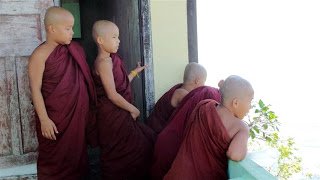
(101, 65)
(177, 96)
(235, 126)
(181, 92)
(41, 53)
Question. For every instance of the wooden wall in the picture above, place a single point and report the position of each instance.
(21, 30)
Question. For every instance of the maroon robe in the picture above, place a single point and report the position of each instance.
(158, 119)
(126, 145)
(202, 155)
(67, 87)
(169, 140)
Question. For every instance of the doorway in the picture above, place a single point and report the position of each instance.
(132, 18)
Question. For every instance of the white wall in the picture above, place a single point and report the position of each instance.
(169, 41)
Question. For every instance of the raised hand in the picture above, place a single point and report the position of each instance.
(140, 68)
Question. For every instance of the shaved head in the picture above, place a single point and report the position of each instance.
(55, 15)
(194, 71)
(235, 87)
(101, 28)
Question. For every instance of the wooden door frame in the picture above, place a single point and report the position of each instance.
(147, 56)
(192, 30)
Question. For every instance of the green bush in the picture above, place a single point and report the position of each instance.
(264, 128)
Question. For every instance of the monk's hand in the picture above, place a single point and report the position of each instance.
(48, 129)
(140, 68)
(135, 113)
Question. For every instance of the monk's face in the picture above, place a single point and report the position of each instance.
(110, 40)
(244, 104)
(63, 30)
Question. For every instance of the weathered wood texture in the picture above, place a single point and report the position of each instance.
(5, 123)
(146, 46)
(29, 143)
(21, 30)
(21, 26)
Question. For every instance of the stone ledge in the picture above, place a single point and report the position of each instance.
(25, 172)
(247, 170)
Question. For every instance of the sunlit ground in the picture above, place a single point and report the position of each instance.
(274, 44)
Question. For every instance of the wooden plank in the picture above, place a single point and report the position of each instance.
(22, 33)
(5, 134)
(146, 45)
(17, 155)
(13, 104)
(22, 29)
(21, 23)
(192, 30)
(10, 7)
(28, 128)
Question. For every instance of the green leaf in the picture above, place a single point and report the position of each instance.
(261, 104)
(256, 129)
(268, 139)
(252, 134)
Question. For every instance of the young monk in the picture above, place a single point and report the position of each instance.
(194, 76)
(60, 81)
(215, 133)
(170, 138)
(126, 145)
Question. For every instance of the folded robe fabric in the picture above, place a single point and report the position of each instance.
(202, 155)
(169, 140)
(158, 119)
(67, 90)
(126, 145)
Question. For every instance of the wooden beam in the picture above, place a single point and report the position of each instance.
(192, 30)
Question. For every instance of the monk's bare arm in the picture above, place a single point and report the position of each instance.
(177, 96)
(35, 71)
(238, 147)
(104, 69)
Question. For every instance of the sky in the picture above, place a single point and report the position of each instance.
(274, 44)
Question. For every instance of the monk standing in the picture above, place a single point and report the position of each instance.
(214, 133)
(61, 88)
(194, 76)
(126, 145)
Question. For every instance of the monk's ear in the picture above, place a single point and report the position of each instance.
(99, 40)
(197, 80)
(50, 28)
(235, 102)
